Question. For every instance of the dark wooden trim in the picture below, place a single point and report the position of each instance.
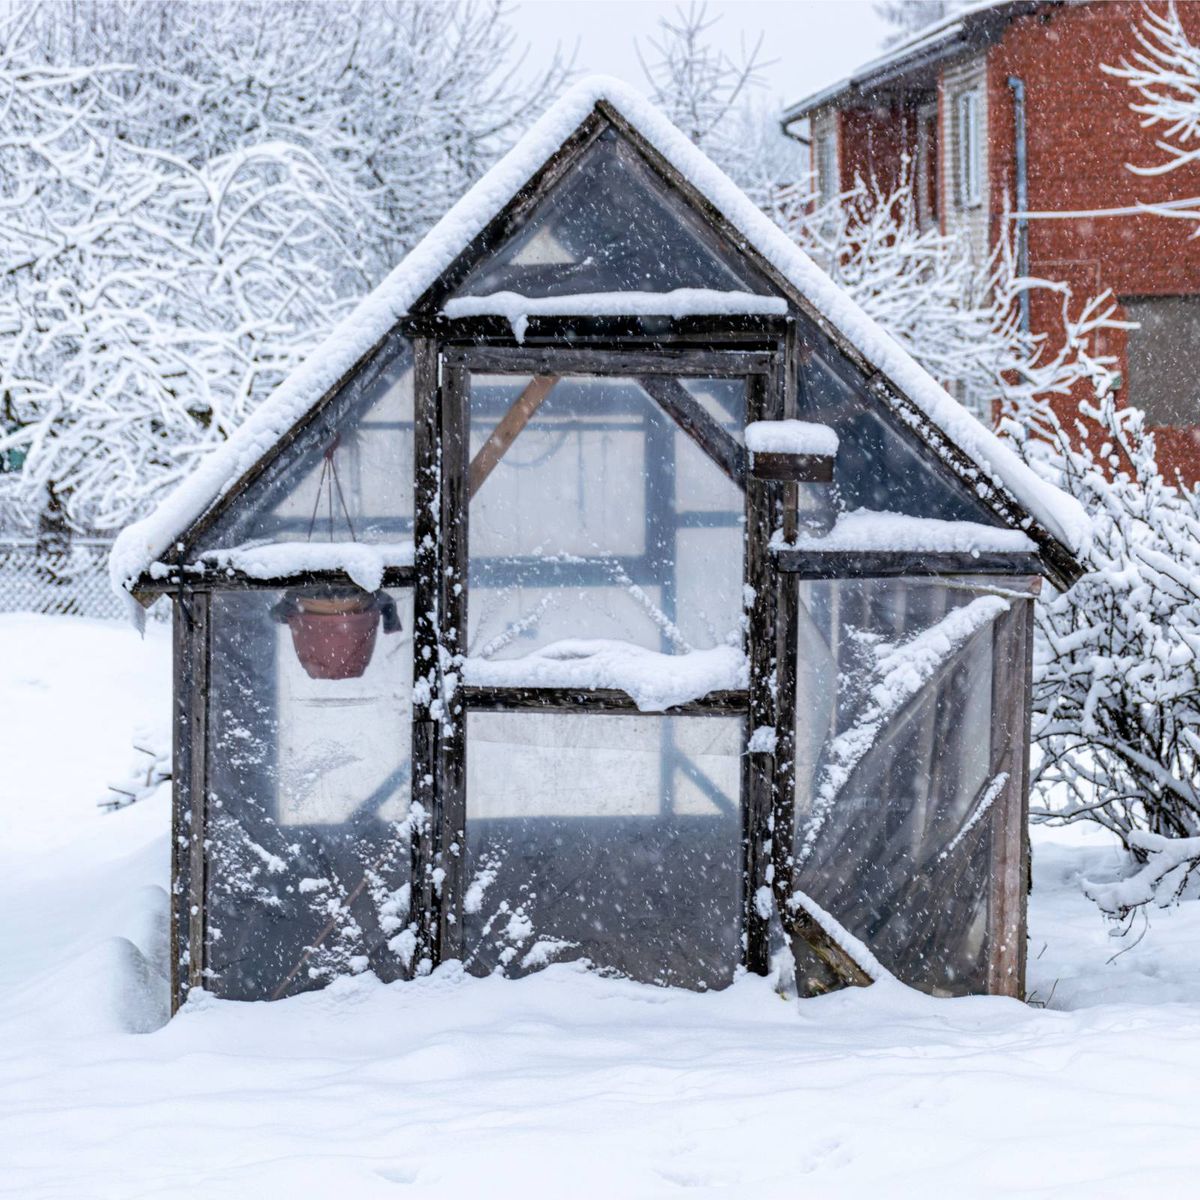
(855, 564)
(426, 640)
(690, 415)
(1058, 563)
(450, 811)
(595, 700)
(1011, 666)
(218, 579)
(181, 759)
(764, 402)
(792, 468)
(701, 363)
(200, 636)
(513, 215)
(361, 376)
(649, 328)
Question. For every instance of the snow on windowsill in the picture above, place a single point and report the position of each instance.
(872, 532)
(364, 562)
(791, 437)
(652, 680)
(682, 302)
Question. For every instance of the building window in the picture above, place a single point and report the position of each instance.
(968, 138)
(828, 182)
(1164, 358)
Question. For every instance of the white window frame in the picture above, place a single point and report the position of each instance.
(968, 143)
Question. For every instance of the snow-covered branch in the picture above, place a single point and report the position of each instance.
(191, 195)
(1166, 73)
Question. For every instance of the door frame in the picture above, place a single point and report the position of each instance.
(440, 532)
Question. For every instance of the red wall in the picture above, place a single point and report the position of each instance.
(1081, 133)
(873, 143)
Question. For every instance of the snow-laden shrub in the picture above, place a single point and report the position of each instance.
(1117, 671)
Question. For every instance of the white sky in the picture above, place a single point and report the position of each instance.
(813, 42)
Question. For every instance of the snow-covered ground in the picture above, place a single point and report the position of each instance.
(562, 1085)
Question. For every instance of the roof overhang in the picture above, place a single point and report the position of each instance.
(913, 64)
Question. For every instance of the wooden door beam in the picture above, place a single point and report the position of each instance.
(508, 430)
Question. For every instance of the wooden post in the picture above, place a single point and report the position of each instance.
(449, 813)
(764, 402)
(181, 760)
(199, 659)
(1008, 886)
(427, 513)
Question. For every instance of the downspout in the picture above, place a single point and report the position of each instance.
(1017, 87)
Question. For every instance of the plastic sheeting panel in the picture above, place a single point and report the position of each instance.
(309, 783)
(609, 838)
(901, 761)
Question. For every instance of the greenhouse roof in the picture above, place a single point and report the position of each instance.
(145, 542)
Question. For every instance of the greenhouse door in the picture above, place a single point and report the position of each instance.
(598, 711)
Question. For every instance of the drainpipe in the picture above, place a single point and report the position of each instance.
(1017, 87)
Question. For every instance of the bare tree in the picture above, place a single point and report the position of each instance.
(192, 194)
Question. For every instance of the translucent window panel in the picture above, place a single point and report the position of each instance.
(896, 793)
(309, 786)
(348, 476)
(611, 225)
(601, 519)
(880, 464)
(615, 839)
(724, 400)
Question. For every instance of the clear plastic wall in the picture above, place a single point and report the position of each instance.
(309, 783)
(902, 768)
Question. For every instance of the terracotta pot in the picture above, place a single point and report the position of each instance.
(334, 636)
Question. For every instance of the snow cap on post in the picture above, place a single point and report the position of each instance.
(146, 542)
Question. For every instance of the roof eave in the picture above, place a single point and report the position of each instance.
(971, 33)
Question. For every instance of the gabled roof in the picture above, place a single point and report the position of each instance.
(969, 30)
(147, 541)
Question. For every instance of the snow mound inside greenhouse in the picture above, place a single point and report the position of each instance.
(563, 1084)
(652, 680)
(146, 541)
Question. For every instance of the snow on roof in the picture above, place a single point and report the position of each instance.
(947, 34)
(145, 541)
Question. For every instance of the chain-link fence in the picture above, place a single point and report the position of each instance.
(69, 577)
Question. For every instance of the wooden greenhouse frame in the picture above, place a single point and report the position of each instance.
(771, 352)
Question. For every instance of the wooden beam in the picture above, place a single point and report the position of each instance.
(200, 656)
(856, 564)
(426, 623)
(695, 421)
(450, 810)
(225, 579)
(181, 759)
(595, 700)
(705, 362)
(507, 430)
(792, 468)
(764, 402)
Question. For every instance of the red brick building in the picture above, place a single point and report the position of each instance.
(1004, 108)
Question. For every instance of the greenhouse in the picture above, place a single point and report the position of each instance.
(607, 587)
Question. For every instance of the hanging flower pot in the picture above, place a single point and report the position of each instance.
(333, 630)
